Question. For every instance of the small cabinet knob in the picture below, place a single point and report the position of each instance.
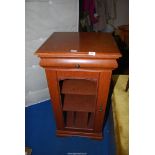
(100, 109)
(77, 66)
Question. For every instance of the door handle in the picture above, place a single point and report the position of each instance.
(100, 109)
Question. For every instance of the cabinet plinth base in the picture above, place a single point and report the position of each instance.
(92, 135)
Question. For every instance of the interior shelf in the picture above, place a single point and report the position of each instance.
(81, 103)
(79, 86)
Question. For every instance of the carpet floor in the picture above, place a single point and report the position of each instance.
(40, 135)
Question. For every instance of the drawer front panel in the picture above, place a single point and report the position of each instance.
(78, 63)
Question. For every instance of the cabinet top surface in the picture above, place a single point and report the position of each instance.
(79, 44)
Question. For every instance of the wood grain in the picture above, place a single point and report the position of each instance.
(78, 81)
(79, 86)
(81, 103)
(60, 44)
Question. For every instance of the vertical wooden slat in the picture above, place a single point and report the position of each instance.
(70, 119)
(81, 120)
(91, 121)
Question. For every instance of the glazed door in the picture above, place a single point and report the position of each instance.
(78, 98)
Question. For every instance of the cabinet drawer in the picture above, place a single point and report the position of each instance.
(78, 63)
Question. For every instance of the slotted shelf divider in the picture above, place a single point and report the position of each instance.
(78, 120)
(79, 101)
(70, 119)
(81, 120)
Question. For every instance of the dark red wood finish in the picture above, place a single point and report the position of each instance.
(68, 59)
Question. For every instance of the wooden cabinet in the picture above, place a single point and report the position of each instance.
(78, 68)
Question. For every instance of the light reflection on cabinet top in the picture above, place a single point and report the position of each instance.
(80, 45)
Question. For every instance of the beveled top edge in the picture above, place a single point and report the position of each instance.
(78, 55)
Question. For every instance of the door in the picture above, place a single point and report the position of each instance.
(78, 98)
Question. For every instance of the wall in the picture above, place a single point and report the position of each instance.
(122, 15)
(122, 12)
(42, 18)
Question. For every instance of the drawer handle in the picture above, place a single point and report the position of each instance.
(77, 66)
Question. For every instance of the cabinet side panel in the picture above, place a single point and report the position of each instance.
(103, 90)
(55, 97)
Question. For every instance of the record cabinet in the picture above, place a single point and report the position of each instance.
(78, 68)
